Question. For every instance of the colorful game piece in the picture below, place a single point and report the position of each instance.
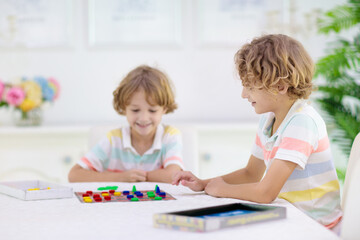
(86, 199)
(138, 193)
(150, 194)
(134, 189)
(157, 189)
(107, 188)
(113, 196)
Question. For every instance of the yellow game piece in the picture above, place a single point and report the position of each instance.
(88, 200)
(105, 194)
(48, 188)
(33, 189)
(117, 193)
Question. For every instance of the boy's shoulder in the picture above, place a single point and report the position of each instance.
(305, 112)
(116, 132)
(171, 130)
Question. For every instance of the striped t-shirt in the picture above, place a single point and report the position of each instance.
(115, 152)
(302, 138)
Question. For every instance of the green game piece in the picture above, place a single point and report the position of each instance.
(134, 189)
(151, 194)
(108, 188)
(157, 198)
(134, 199)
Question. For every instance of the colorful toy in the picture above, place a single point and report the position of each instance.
(122, 196)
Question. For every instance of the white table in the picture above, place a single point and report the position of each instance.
(69, 219)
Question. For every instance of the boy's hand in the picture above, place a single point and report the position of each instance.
(189, 180)
(214, 187)
(134, 175)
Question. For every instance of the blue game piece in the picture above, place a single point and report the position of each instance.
(140, 194)
(126, 192)
(162, 194)
(157, 189)
(130, 196)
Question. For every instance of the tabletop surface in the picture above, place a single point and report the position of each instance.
(70, 219)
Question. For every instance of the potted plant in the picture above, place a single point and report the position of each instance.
(340, 72)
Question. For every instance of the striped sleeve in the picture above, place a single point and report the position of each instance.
(97, 159)
(299, 140)
(172, 147)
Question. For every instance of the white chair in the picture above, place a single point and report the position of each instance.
(98, 132)
(350, 228)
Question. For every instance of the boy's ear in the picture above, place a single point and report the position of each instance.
(283, 88)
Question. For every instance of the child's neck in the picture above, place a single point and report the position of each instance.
(142, 143)
(280, 114)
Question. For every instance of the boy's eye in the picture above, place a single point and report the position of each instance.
(152, 111)
(135, 110)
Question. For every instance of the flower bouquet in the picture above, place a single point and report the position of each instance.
(27, 96)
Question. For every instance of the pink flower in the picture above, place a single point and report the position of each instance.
(2, 87)
(15, 96)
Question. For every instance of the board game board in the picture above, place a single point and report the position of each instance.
(111, 194)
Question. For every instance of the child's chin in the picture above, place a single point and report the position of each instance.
(144, 131)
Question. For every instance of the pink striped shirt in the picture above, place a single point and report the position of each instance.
(302, 138)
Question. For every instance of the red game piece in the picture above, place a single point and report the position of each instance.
(97, 199)
(96, 195)
(111, 191)
(85, 195)
(107, 198)
(89, 192)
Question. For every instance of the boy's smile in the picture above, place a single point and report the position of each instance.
(143, 117)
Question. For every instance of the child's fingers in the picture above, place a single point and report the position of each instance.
(141, 176)
(177, 177)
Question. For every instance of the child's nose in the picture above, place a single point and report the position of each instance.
(244, 93)
(144, 115)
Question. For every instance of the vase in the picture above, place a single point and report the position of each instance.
(33, 117)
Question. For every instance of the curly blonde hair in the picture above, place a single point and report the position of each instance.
(276, 59)
(157, 87)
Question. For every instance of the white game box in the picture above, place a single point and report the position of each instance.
(35, 190)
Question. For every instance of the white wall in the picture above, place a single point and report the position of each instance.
(206, 84)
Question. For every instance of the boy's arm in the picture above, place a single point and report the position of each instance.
(264, 191)
(253, 172)
(79, 174)
(163, 175)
